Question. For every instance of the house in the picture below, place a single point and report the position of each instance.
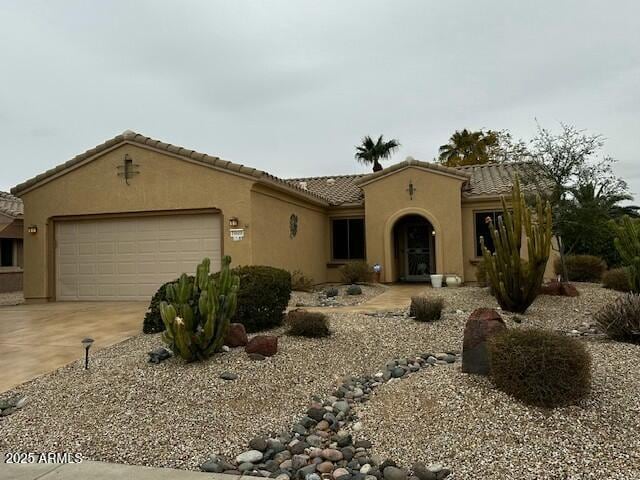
(117, 221)
(10, 243)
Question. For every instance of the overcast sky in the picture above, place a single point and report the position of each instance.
(291, 86)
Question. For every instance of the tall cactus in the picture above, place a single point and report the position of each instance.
(199, 311)
(515, 281)
(627, 242)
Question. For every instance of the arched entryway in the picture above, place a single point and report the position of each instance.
(413, 246)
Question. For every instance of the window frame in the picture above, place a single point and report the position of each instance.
(476, 237)
(364, 239)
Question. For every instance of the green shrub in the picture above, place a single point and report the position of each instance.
(331, 292)
(617, 279)
(196, 333)
(356, 272)
(426, 309)
(302, 323)
(627, 242)
(540, 368)
(300, 282)
(581, 268)
(621, 319)
(263, 296)
(354, 290)
(262, 299)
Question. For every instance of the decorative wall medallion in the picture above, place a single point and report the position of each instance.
(128, 169)
(293, 225)
(411, 190)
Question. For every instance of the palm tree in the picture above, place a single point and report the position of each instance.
(468, 148)
(372, 152)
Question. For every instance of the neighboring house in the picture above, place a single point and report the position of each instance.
(10, 243)
(117, 221)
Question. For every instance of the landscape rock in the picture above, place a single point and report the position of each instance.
(228, 376)
(158, 355)
(394, 473)
(266, 345)
(561, 289)
(236, 336)
(251, 456)
(483, 324)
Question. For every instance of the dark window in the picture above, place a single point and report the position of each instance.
(483, 222)
(6, 252)
(348, 239)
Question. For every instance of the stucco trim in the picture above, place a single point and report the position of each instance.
(412, 163)
(388, 238)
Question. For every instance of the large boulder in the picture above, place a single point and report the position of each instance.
(266, 345)
(483, 323)
(560, 289)
(236, 336)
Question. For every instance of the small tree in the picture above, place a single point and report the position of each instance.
(371, 152)
(515, 281)
(627, 242)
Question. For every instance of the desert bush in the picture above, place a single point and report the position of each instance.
(515, 283)
(302, 323)
(331, 292)
(300, 282)
(621, 319)
(627, 242)
(426, 309)
(262, 299)
(354, 290)
(581, 268)
(540, 368)
(263, 296)
(617, 279)
(356, 272)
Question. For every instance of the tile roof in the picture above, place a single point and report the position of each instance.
(496, 178)
(10, 206)
(491, 179)
(338, 189)
(480, 180)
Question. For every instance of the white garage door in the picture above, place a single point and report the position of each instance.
(129, 258)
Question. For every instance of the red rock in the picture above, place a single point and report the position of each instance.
(236, 336)
(561, 289)
(483, 324)
(266, 345)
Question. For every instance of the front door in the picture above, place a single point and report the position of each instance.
(418, 255)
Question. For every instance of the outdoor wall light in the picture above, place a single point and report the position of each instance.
(233, 222)
(433, 232)
(86, 343)
(33, 229)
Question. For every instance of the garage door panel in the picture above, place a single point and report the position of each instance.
(129, 258)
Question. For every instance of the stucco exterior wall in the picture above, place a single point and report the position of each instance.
(164, 184)
(437, 198)
(272, 243)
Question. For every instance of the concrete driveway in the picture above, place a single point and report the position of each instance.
(38, 338)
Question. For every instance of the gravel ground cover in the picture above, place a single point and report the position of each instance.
(11, 298)
(319, 299)
(126, 410)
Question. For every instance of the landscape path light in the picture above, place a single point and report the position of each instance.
(86, 343)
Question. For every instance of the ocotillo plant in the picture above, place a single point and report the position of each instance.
(200, 310)
(627, 242)
(515, 282)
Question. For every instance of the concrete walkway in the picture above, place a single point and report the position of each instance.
(102, 471)
(395, 297)
(38, 338)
